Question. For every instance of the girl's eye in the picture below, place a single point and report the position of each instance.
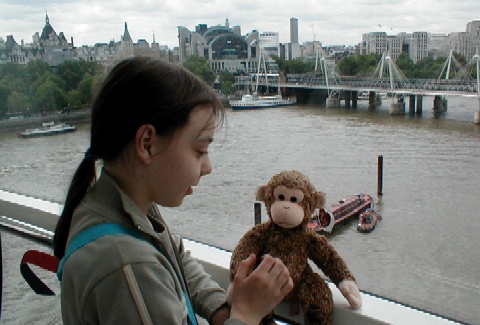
(202, 153)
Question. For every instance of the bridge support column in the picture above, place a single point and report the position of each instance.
(347, 96)
(419, 104)
(332, 102)
(440, 104)
(476, 119)
(411, 104)
(397, 108)
(354, 99)
(374, 100)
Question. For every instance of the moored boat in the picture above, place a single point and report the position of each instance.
(367, 220)
(255, 102)
(48, 128)
(325, 219)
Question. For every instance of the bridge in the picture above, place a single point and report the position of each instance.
(453, 80)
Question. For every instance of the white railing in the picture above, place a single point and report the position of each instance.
(35, 218)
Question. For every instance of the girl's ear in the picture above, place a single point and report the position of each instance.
(143, 142)
(319, 199)
(261, 192)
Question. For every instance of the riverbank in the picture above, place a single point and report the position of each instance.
(76, 116)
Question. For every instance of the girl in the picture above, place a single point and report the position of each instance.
(152, 124)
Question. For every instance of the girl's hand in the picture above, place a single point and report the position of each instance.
(252, 295)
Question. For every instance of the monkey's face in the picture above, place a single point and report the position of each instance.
(287, 207)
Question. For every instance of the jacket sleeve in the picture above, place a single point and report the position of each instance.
(206, 295)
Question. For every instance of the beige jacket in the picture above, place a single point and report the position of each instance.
(118, 279)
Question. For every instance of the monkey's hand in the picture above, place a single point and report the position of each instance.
(350, 291)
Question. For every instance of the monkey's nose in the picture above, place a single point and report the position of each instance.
(286, 208)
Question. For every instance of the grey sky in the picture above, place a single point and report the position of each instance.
(328, 21)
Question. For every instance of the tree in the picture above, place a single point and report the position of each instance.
(296, 66)
(85, 89)
(406, 65)
(74, 99)
(227, 82)
(200, 67)
(4, 92)
(36, 69)
(49, 97)
(359, 65)
(348, 66)
(72, 72)
(18, 102)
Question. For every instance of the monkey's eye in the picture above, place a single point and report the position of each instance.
(293, 199)
(281, 197)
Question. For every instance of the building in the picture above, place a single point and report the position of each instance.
(54, 49)
(293, 30)
(466, 43)
(414, 44)
(224, 47)
(270, 43)
(293, 48)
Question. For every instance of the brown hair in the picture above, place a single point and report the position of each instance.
(137, 91)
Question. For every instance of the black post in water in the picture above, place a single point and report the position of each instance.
(380, 175)
(257, 208)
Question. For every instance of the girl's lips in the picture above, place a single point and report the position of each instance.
(189, 191)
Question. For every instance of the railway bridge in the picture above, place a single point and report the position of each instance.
(327, 84)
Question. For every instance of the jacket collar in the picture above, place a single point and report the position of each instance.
(107, 200)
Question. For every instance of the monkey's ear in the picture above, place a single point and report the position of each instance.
(319, 199)
(261, 192)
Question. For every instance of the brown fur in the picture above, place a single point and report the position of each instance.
(294, 246)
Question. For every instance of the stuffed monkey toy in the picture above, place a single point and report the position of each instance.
(290, 199)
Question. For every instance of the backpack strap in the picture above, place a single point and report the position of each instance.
(51, 263)
(91, 234)
(45, 261)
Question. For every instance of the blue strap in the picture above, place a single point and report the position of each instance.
(191, 314)
(92, 233)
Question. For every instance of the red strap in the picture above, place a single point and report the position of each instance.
(43, 260)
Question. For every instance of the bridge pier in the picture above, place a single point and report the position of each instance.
(397, 108)
(476, 118)
(374, 100)
(440, 104)
(419, 104)
(332, 102)
(347, 96)
(411, 104)
(354, 99)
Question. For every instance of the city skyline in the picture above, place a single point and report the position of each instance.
(89, 22)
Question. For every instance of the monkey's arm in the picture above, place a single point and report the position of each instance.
(327, 259)
(252, 242)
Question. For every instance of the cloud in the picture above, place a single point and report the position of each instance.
(330, 22)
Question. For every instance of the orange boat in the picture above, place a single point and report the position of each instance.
(324, 220)
(367, 221)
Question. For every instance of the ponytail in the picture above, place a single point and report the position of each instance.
(81, 182)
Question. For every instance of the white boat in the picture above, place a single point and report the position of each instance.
(267, 70)
(35, 219)
(48, 128)
(255, 101)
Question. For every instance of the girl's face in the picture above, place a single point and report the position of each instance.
(181, 161)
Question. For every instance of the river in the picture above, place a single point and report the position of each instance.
(425, 252)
